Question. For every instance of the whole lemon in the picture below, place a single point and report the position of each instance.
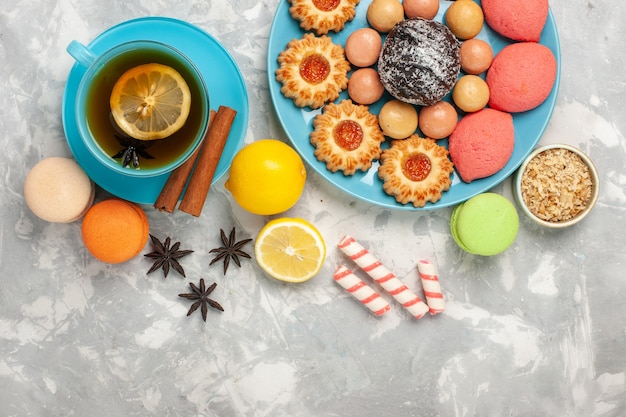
(266, 177)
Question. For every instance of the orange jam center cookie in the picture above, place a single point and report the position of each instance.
(416, 167)
(314, 68)
(348, 135)
(326, 5)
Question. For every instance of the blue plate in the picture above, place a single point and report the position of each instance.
(221, 74)
(297, 122)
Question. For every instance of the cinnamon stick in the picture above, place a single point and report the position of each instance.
(202, 176)
(175, 184)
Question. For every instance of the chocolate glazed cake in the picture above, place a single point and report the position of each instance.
(419, 61)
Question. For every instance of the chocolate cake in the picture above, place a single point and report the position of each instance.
(419, 61)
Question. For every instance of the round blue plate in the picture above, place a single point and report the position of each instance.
(297, 122)
(221, 74)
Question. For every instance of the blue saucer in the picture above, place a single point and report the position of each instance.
(221, 74)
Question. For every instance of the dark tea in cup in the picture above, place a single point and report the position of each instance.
(103, 136)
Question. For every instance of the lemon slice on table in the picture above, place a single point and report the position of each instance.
(150, 101)
(290, 249)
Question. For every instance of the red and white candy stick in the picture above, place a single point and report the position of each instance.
(361, 291)
(432, 288)
(383, 276)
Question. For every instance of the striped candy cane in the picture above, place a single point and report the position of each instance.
(432, 288)
(383, 276)
(361, 291)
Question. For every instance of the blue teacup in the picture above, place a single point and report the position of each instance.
(99, 132)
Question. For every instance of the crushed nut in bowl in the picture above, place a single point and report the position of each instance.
(556, 185)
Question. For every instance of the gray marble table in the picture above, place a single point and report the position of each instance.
(539, 330)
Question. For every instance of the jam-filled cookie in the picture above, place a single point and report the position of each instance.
(415, 170)
(313, 70)
(346, 137)
(323, 16)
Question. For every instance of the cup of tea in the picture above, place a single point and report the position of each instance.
(129, 152)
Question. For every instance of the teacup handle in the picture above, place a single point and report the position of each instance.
(81, 53)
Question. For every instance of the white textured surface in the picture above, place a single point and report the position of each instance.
(539, 330)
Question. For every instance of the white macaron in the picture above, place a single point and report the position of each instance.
(58, 190)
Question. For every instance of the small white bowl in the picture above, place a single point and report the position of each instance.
(522, 173)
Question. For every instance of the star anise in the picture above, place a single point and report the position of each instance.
(133, 149)
(230, 250)
(165, 256)
(201, 297)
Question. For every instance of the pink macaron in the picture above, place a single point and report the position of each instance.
(520, 20)
(482, 143)
(521, 77)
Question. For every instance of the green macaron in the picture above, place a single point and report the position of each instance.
(486, 224)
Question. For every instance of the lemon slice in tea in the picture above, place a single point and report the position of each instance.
(290, 249)
(150, 101)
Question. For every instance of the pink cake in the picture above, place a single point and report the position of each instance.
(482, 143)
(521, 77)
(520, 20)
